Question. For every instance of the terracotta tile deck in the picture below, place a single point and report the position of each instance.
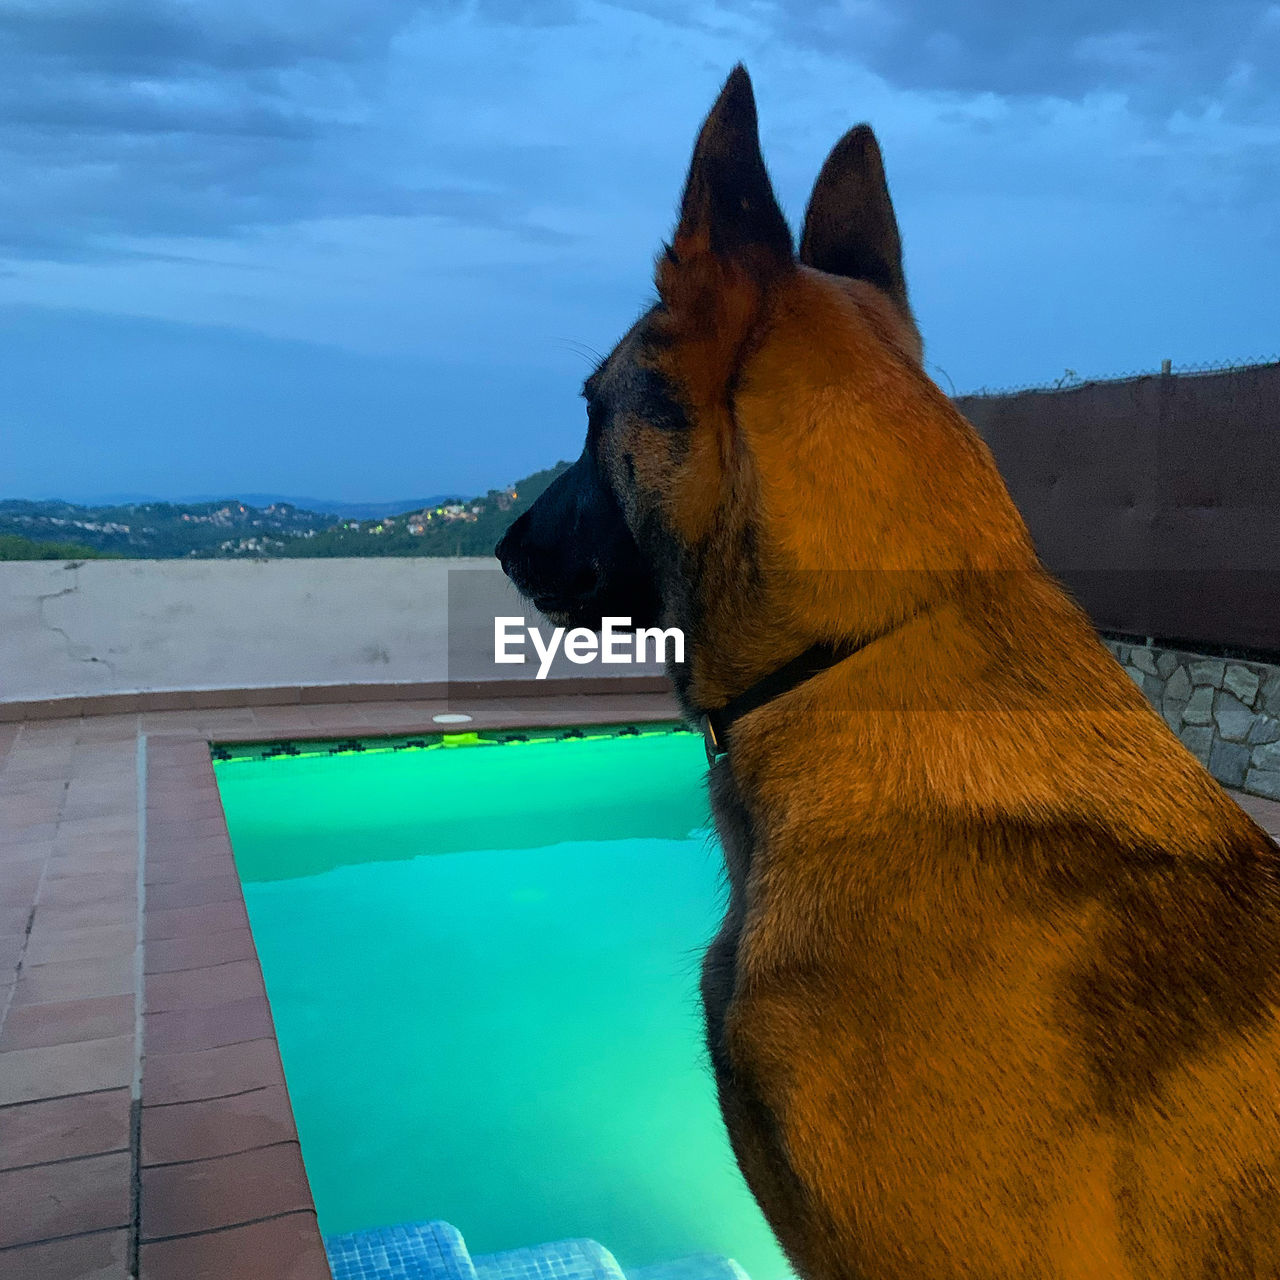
(145, 1128)
(123, 929)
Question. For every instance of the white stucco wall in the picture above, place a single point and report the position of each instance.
(77, 628)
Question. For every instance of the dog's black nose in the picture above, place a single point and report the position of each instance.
(510, 541)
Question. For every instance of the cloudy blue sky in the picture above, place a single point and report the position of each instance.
(362, 249)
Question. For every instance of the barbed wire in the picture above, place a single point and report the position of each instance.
(1072, 381)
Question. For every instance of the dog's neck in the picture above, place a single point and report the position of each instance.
(717, 722)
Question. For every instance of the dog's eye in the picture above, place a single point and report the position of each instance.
(595, 426)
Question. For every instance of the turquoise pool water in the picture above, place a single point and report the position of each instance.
(482, 962)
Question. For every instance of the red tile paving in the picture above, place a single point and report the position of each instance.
(204, 988)
(55, 1071)
(86, 1124)
(68, 1197)
(284, 1248)
(213, 1073)
(173, 955)
(211, 1027)
(104, 1255)
(201, 1126)
(204, 1131)
(177, 1131)
(35, 1026)
(211, 1194)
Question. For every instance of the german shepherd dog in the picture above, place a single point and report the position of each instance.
(995, 993)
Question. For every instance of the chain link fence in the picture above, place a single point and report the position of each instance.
(1072, 381)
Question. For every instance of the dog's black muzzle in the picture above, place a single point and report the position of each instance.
(572, 555)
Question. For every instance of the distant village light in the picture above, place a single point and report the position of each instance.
(197, 529)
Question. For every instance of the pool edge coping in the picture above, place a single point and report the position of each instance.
(214, 1019)
(62, 706)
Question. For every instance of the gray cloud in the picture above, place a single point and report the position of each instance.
(158, 118)
(1158, 52)
(210, 118)
(155, 37)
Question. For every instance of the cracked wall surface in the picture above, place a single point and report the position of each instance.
(71, 628)
(81, 628)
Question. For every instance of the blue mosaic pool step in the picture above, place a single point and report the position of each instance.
(697, 1266)
(437, 1251)
(563, 1260)
(412, 1251)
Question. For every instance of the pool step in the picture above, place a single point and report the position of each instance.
(437, 1251)
(697, 1266)
(411, 1251)
(561, 1260)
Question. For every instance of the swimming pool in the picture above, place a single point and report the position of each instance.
(482, 956)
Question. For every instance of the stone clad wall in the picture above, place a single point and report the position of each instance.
(1225, 710)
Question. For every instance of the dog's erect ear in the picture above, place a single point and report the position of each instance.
(731, 244)
(849, 228)
(729, 213)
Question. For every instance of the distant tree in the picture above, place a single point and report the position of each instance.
(12, 547)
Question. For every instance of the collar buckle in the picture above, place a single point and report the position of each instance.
(715, 748)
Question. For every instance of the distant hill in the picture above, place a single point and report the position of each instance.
(453, 528)
(328, 506)
(238, 528)
(343, 510)
(163, 530)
